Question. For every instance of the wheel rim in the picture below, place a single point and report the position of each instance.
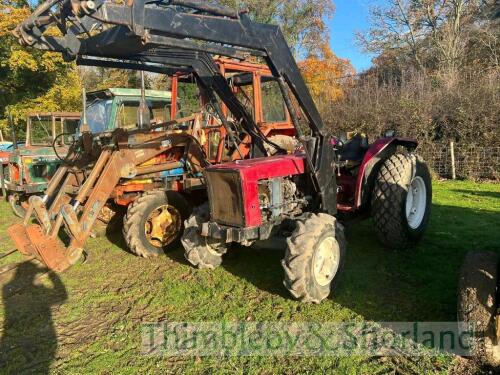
(416, 202)
(326, 261)
(163, 226)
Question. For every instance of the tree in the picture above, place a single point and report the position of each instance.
(434, 33)
(302, 21)
(323, 73)
(30, 79)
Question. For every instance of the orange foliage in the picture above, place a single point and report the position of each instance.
(322, 72)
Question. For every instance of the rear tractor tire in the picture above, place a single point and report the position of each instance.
(201, 252)
(402, 200)
(314, 257)
(154, 222)
(477, 305)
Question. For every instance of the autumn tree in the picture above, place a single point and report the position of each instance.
(326, 74)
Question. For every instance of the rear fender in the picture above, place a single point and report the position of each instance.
(379, 151)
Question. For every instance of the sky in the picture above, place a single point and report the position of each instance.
(350, 16)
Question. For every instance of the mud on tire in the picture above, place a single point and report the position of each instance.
(398, 175)
(202, 252)
(134, 222)
(303, 254)
(477, 304)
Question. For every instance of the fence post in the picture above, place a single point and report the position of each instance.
(453, 170)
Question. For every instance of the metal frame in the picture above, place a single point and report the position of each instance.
(185, 33)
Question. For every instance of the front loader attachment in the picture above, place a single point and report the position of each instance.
(73, 208)
(41, 240)
(32, 242)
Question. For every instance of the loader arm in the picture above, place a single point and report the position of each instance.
(187, 25)
(74, 208)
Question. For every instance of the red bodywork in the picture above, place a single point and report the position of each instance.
(253, 170)
(354, 185)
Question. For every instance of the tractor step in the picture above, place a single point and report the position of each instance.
(31, 241)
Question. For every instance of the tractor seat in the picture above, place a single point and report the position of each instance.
(355, 148)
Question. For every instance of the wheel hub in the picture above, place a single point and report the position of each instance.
(163, 225)
(416, 202)
(326, 261)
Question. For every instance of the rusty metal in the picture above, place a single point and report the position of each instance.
(19, 236)
(158, 168)
(49, 249)
(75, 200)
(56, 179)
(162, 226)
(39, 210)
(32, 242)
(94, 175)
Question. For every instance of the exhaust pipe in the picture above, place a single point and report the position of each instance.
(144, 118)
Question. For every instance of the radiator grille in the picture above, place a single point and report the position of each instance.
(226, 200)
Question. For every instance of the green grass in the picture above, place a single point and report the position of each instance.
(97, 325)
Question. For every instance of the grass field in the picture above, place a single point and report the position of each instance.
(88, 319)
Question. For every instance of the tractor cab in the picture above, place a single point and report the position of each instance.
(33, 163)
(255, 87)
(117, 108)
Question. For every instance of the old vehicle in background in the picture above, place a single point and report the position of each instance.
(152, 170)
(29, 167)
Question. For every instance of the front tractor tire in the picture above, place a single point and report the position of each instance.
(154, 222)
(477, 305)
(314, 257)
(200, 251)
(401, 200)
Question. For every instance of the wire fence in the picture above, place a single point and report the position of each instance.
(471, 162)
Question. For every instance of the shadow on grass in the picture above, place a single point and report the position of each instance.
(380, 284)
(418, 284)
(29, 341)
(480, 193)
(261, 267)
(384, 285)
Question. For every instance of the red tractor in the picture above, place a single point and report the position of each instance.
(299, 195)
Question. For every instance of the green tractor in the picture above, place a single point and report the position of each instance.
(31, 165)
(49, 135)
(117, 108)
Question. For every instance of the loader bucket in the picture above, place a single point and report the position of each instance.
(31, 241)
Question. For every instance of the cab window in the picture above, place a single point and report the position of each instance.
(41, 131)
(245, 96)
(273, 106)
(161, 112)
(70, 128)
(126, 116)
